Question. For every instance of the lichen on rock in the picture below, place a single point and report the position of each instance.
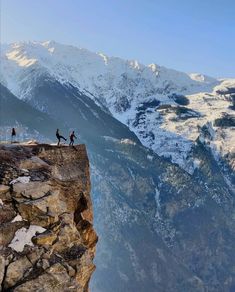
(47, 239)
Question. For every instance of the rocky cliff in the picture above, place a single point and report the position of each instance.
(47, 240)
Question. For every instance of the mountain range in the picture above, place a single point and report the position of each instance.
(161, 148)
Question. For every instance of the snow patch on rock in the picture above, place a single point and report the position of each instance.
(21, 179)
(127, 141)
(24, 237)
(17, 218)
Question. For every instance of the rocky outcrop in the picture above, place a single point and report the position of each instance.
(47, 240)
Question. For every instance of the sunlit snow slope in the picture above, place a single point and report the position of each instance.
(168, 110)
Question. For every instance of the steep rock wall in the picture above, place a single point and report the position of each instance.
(47, 240)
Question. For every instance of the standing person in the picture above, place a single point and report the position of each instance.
(13, 135)
(72, 136)
(58, 136)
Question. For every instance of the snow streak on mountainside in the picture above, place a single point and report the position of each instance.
(165, 108)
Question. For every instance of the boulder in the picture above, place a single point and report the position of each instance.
(16, 270)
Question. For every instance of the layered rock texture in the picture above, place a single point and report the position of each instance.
(47, 240)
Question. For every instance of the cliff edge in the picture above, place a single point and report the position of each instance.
(47, 240)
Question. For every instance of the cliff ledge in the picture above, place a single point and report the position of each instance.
(47, 240)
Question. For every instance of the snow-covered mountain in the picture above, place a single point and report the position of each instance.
(95, 72)
(165, 108)
(138, 195)
(161, 228)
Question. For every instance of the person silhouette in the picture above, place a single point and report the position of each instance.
(59, 137)
(72, 136)
(13, 135)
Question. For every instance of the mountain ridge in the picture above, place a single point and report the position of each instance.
(165, 108)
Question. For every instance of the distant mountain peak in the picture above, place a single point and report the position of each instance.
(130, 90)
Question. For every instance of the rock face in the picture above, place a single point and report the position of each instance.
(47, 240)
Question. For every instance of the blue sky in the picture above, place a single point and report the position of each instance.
(187, 35)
